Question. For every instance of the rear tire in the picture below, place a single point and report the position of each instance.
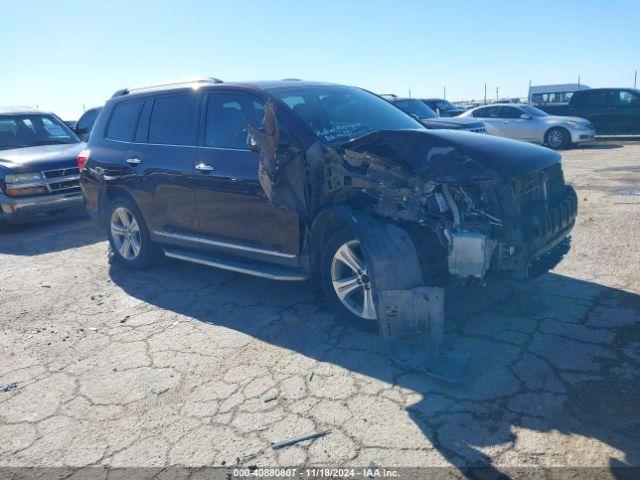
(557, 138)
(129, 236)
(343, 269)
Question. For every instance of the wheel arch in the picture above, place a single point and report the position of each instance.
(109, 195)
(557, 127)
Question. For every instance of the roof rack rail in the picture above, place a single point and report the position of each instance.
(291, 80)
(186, 81)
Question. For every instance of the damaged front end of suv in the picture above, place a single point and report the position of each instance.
(430, 209)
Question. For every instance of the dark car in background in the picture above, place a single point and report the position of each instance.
(39, 178)
(443, 107)
(610, 110)
(282, 179)
(430, 119)
(84, 125)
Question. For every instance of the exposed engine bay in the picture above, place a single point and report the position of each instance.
(430, 209)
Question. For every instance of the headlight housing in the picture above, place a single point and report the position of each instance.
(22, 177)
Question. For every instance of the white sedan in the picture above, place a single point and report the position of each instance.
(524, 122)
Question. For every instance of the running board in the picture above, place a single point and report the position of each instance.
(257, 269)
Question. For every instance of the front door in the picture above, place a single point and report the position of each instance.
(490, 116)
(232, 206)
(513, 126)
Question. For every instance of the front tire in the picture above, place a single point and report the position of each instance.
(346, 282)
(129, 237)
(557, 138)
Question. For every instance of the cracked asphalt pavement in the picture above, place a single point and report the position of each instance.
(185, 365)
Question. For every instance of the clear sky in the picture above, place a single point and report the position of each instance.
(61, 55)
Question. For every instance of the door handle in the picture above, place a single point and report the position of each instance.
(203, 167)
(133, 161)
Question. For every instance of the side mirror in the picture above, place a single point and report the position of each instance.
(416, 117)
(525, 116)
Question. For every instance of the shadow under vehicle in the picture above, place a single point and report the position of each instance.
(554, 355)
(288, 179)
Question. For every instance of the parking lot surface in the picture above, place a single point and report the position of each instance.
(184, 365)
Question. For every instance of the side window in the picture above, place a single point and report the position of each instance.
(173, 120)
(228, 117)
(487, 112)
(510, 112)
(123, 121)
(623, 97)
(597, 97)
(85, 124)
(142, 130)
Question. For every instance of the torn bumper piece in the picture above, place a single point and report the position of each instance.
(412, 324)
(410, 314)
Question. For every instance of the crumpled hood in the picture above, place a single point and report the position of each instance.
(449, 156)
(44, 157)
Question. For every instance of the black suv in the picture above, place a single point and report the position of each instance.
(610, 110)
(282, 179)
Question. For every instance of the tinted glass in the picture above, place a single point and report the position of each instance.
(625, 97)
(142, 129)
(416, 107)
(85, 124)
(487, 112)
(173, 120)
(338, 114)
(123, 121)
(17, 131)
(229, 115)
(510, 112)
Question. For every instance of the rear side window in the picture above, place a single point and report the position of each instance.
(229, 115)
(85, 124)
(487, 112)
(173, 120)
(123, 121)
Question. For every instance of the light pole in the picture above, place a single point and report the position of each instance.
(497, 90)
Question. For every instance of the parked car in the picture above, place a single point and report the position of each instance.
(283, 179)
(431, 120)
(553, 99)
(39, 176)
(524, 122)
(443, 107)
(610, 110)
(85, 124)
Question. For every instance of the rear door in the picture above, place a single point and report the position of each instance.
(160, 162)
(491, 118)
(232, 206)
(592, 105)
(625, 107)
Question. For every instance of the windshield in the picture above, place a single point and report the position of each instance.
(536, 112)
(338, 114)
(29, 130)
(444, 105)
(416, 107)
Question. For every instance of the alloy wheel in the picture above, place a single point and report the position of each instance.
(125, 232)
(351, 282)
(555, 138)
